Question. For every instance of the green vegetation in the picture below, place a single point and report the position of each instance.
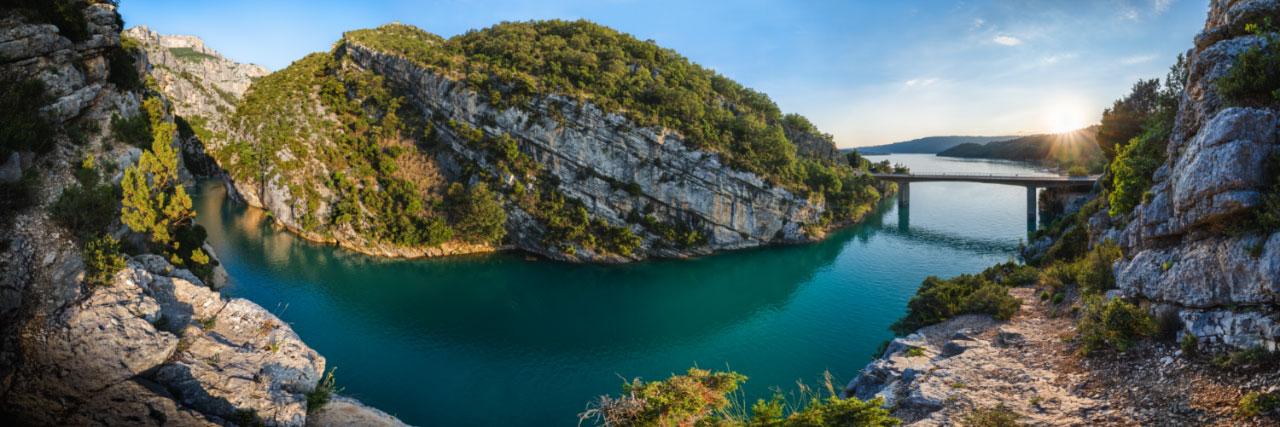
(915, 352)
(67, 15)
(1253, 357)
(1113, 324)
(246, 418)
(702, 398)
(1254, 77)
(516, 63)
(999, 416)
(102, 260)
(479, 214)
(938, 300)
(1077, 172)
(136, 130)
(87, 208)
(190, 55)
(1138, 158)
(324, 391)
(1257, 403)
(23, 127)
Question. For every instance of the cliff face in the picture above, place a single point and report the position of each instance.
(1178, 254)
(594, 150)
(645, 180)
(154, 345)
(202, 81)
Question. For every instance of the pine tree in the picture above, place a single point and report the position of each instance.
(155, 203)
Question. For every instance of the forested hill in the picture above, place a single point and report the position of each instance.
(929, 145)
(568, 139)
(1064, 150)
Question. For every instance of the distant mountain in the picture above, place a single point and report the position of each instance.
(928, 145)
(1077, 147)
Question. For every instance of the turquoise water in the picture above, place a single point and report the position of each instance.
(499, 340)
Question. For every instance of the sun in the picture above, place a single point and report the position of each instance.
(1065, 117)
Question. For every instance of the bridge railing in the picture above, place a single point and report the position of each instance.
(986, 175)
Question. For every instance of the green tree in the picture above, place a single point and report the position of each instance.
(477, 214)
(1123, 121)
(155, 203)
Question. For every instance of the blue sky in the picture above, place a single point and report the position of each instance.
(868, 72)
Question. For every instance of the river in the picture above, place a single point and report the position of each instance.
(501, 340)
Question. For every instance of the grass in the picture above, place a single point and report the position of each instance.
(208, 322)
(999, 416)
(190, 55)
(323, 393)
(1256, 403)
(915, 352)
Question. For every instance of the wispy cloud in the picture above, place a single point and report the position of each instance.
(1137, 59)
(1162, 5)
(1131, 14)
(1054, 59)
(921, 82)
(977, 23)
(1007, 40)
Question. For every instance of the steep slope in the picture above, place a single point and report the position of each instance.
(91, 335)
(204, 85)
(929, 145)
(1060, 149)
(394, 141)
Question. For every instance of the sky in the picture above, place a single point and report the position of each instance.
(867, 72)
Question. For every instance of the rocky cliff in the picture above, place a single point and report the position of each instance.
(153, 344)
(1180, 253)
(650, 182)
(1192, 254)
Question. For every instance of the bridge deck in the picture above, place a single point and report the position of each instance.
(992, 178)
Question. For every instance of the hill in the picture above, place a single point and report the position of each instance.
(567, 139)
(927, 145)
(1061, 149)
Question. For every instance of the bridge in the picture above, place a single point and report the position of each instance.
(1031, 182)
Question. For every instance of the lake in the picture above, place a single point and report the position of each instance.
(501, 340)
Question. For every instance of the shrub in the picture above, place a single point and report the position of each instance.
(478, 216)
(1250, 357)
(102, 260)
(1077, 171)
(1073, 243)
(1254, 77)
(1190, 342)
(915, 352)
(1094, 274)
(1256, 403)
(324, 391)
(23, 127)
(1113, 324)
(938, 300)
(999, 416)
(122, 70)
(85, 210)
(135, 130)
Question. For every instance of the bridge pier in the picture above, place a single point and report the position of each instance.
(904, 193)
(1031, 204)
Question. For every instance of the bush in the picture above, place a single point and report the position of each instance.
(1256, 403)
(1094, 273)
(1113, 324)
(135, 131)
(938, 300)
(102, 260)
(123, 72)
(1250, 357)
(86, 209)
(23, 127)
(324, 392)
(1254, 77)
(1077, 171)
(478, 216)
(999, 416)
(1073, 243)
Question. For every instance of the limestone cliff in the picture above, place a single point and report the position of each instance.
(154, 345)
(1178, 252)
(649, 180)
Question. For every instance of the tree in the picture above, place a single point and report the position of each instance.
(477, 214)
(154, 201)
(1123, 121)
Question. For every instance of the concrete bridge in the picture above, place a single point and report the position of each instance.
(1031, 182)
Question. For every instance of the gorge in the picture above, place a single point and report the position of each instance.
(503, 226)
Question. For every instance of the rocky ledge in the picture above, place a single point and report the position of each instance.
(941, 373)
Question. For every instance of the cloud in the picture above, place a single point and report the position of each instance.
(921, 82)
(977, 23)
(1131, 14)
(1048, 60)
(1137, 59)
(1162, 5)
(1007, 40)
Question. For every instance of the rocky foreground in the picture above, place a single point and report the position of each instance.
(938, 375)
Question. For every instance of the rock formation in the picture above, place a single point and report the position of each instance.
(1177, 254)
(154, 345)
